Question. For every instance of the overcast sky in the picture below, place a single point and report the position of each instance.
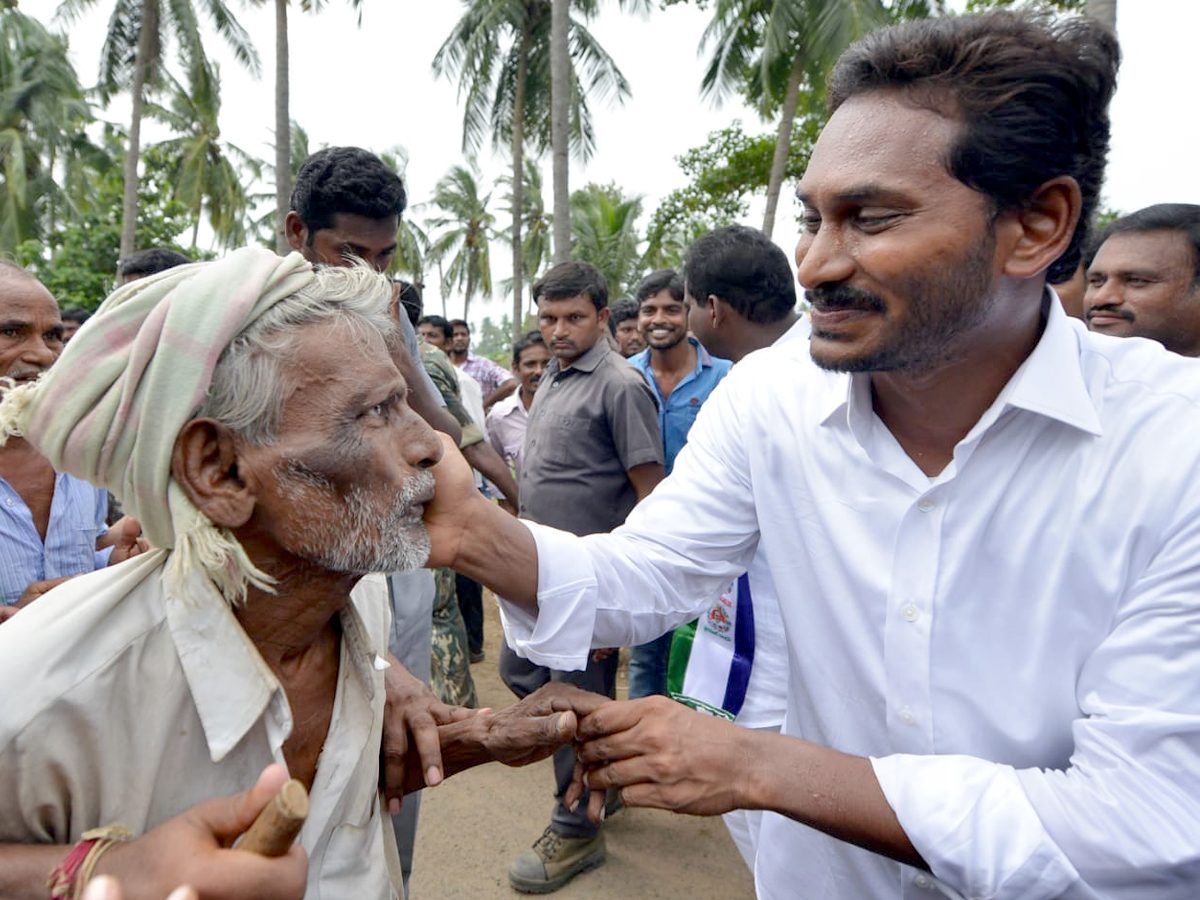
(373, 87)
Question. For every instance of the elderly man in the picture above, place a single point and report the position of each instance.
(1144, 278)
(273, 478)
(52, 525)
(982, 522)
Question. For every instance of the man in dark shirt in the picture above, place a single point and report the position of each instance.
(592, 450)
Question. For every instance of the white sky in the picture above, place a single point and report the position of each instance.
(373, 87)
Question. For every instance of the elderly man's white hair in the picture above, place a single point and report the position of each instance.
(210, 339)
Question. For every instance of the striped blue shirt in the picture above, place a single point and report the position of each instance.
(77, 518)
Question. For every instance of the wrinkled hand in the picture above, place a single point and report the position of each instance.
(662, 754)
(194, 848)
(38, 588)
(412, 714)
(125, 537)
(532, 729)
(449, 510)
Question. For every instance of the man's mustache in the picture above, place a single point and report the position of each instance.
(842, 296)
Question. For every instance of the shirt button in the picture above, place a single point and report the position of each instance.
(910, 613)
(923, 882)
(9, 501)
(907, 717)
(925, 504)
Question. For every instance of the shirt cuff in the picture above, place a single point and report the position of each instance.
(560, 636)
(103, 556)
(972, 823)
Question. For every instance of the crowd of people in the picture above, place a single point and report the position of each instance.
(911, 580)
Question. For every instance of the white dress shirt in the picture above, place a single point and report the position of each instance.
(1015, 643)
(122, 703)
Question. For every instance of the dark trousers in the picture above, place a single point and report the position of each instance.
(523, 678)
(470, 601)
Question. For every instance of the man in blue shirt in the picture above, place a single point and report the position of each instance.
(52, 526)
(682, 374)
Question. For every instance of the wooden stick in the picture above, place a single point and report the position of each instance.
(278, 824)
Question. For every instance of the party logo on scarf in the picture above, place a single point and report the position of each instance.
(718, 621)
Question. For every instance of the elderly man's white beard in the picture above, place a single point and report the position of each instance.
(358, 537)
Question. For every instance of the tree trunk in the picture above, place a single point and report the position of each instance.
(518, 189)
(783, 144)
(560, 125)
(129, 204)
(283, 129)
(1104, 12)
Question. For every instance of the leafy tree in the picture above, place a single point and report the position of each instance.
(462, 231)
(285, 156)
(1069, 6)
(499, 54)
(535, 245)
(604, 233)
(494, 340)
(207, 174)
(78, 262)
(133, 59)
(43, 114)
(721, 176)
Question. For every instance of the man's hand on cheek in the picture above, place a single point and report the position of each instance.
(447, 515)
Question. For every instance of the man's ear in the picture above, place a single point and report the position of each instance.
(718, 310)
(1040, 232)
(295, 230)
(205, 463)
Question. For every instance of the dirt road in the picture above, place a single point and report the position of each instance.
(472, 827)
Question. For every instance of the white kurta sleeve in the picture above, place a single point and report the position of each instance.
(677, 550)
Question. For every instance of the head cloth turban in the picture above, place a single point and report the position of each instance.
(111, 407)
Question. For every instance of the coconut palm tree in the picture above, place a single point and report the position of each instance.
(604, 233)
(461, 232)
(207, 174)
(283, 132)
(42, 118)
(535, 243)
(499, 52)
(133, 59)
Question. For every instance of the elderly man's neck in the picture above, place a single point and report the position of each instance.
(300, 616)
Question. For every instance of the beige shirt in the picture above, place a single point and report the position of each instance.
(122, 703)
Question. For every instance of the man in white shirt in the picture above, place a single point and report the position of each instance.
(981, 521)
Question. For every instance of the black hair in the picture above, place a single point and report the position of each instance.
(150, 261)
(454, 323)
(744, 268)
(530, 339)
(1031, 91)
(345, 180)
(572, 279)
(75, 314)
(621, 311)
(1181, 217)
(411, 300)
(440, 323)
(661, 280)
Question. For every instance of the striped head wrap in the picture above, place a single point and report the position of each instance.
(111, 407)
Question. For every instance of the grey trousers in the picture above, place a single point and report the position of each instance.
(523, 678)
(411, 642)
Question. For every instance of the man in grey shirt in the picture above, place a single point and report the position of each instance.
(592, 450)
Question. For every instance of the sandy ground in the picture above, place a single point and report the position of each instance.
(473, 826)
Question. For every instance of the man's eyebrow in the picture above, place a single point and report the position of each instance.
(867, 193)
(14, 323)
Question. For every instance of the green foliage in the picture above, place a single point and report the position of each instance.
(1062, 6)
(461, 233)
(494, 340)
(604, 233)
(78, 263)
(722, 175)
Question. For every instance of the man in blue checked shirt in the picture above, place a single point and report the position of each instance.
(682, 374)
(52, 526)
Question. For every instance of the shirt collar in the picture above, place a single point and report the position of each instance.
(588, 361)
(512, 403)
(230, 683)
(1049, 382)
